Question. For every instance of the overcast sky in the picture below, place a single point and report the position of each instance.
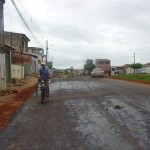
(85, 29)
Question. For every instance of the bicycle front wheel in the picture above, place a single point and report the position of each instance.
(42, 96)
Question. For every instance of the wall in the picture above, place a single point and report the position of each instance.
(13, 40)
(2, 72)
(27, 69)
(17, 40)
(34, 65)
(105, 65)
(16, 71)
(130, 70)
(147, 69)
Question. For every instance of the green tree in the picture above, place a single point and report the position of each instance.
(136, 66)
(49, 65)
(66, 71)
(89, 65)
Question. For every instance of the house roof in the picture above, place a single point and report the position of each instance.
(22, 34)
(102, 59)
(11, 48)
(146, 65)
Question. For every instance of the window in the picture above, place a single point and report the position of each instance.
(107, 62)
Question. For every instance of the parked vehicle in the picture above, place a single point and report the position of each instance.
(97, 72)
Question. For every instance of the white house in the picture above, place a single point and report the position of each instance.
(130, 70)
(116, 70)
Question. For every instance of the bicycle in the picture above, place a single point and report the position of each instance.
(43, 91)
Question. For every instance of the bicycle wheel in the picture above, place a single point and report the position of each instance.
(48, 92)
(42, 96)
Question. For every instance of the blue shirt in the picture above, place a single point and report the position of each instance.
(44, 73)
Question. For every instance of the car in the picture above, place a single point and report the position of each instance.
(97, 72)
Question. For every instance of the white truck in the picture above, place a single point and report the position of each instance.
(97, 72)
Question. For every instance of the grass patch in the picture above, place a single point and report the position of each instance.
(140, 77)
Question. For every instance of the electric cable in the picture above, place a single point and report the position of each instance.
(21, 16)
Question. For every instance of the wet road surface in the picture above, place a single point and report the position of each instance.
(83, 114)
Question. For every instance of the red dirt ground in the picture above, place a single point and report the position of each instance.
(11, 103)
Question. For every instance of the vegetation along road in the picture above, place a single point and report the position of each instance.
(83, 114)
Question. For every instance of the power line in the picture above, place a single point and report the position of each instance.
(21, 16)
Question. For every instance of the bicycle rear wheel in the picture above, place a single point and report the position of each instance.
(48, 91)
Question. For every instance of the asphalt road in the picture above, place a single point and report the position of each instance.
(83, 114)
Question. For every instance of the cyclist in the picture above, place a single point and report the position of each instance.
(44, 74)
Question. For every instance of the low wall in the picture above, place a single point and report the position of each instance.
(17, 71)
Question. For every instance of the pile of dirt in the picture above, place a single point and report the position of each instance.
(13, 98)
(14, 86)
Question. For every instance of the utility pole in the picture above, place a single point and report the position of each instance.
(134, 62)
(2, 55)
(46, 50)
(1, 26)
(134, 57)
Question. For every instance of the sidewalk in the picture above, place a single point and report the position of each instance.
(13, 98)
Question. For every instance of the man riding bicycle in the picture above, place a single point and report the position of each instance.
(44, 74)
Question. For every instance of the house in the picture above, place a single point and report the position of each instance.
(104, 64)
(116, 70)
(146, 68)
(39, 52)
(124, 67)
(8, 50)
(21, 64)
(130, 70)
(19, 41)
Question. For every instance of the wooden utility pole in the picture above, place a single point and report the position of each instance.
(134, 62)
(134, 57)
(1, 26)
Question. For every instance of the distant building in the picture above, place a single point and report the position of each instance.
(39, 52)
(146, 68)
(116, 70)
(104, 64)
(124, 68)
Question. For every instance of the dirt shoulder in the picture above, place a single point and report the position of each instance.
(13, 98)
